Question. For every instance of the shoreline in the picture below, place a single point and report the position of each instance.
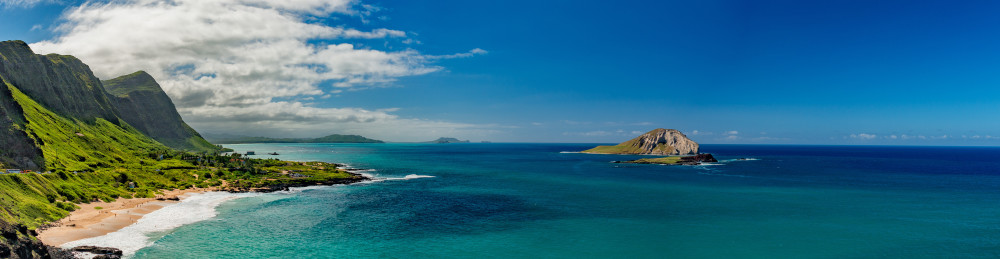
(88, 221)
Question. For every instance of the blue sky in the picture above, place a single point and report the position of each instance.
(795, 72)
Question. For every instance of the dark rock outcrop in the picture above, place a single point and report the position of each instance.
(687, 160)
(697, 159)
(16, 243)
(106, 251)
(19, 150)
(144, 105)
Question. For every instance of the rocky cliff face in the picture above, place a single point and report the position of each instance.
(15, 242)
(144, 105)
(18, 149)
(63, 84)
(655, 142)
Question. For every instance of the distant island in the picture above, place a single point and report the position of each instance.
(444, 140)
(656, 142)
(334, 138)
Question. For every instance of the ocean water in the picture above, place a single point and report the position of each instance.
(537, 201)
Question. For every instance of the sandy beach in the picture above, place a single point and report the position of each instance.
(88, 221)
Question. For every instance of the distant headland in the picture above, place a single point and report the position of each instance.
(444, 140)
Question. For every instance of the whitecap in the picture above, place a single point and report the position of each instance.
(404, 178)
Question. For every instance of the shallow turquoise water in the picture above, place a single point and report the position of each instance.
(531, 200)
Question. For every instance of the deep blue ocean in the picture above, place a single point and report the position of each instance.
(538, 201)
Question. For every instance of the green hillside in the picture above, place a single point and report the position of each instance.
(633, 146)
(57, 120)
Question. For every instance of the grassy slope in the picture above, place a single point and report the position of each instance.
(103, 143)
(33, 199)
(117, 86)
(628, 147)
(658, 160)
(113, 156)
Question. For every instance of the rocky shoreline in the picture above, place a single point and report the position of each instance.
(287, 186)
(686, 160)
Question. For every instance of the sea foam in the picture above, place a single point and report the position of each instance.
(190, 210)
(382, 179)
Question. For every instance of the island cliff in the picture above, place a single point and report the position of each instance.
(656, 142)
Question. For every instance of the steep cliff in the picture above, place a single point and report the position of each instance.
(18, 149)
(63, 84)
(55, 115)
(144, 105)
(655, 142)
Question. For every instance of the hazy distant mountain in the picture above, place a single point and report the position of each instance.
(444, 140)
(334, 138)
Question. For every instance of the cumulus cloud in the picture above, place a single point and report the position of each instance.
(731, 132)
(698, 132)
(228, 62)
(20, 3)
(473, 52)
(863, 136)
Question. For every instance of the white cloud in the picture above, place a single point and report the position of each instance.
(224, 62)
(602, 133)
(700, 133)
(473, 52)
(863, 136)
(20, 3)
(731, 132)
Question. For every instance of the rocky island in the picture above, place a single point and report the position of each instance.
(661, 141)
(669, 142)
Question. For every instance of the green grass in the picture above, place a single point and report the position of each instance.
(103, 143)
(117, 86)
(629, 147)
(99, 166)
(658, 160)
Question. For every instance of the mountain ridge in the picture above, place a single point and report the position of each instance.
(143, 104)
(332, 138)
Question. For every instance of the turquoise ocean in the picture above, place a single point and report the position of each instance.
(544, 201)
